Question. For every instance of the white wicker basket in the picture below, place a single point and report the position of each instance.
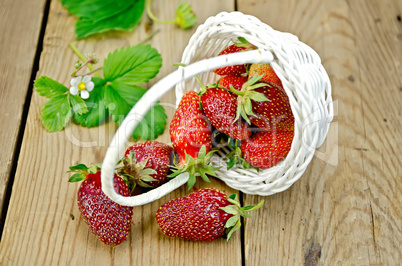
(304, 80)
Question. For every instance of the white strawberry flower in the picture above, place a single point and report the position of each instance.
(82, 85)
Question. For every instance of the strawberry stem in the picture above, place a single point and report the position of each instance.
(194, 166)
(87, 63)
(136, 173)
(234, 223)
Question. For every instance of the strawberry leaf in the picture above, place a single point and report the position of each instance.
(230, 209)
(78, 167)
(98, 16)
(253, 207)
(231, 221)
(258, 96)
(95, 9)
(77, 177)
(56, 113)
(120, 98)
(49, 88)
(132, 65)
(191, 180)
(78, 105)
(233, 229)
(124, 70)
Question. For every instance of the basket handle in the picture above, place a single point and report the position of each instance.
(145, 103)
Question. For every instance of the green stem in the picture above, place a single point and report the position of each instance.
(93, 71)
(152, 16)
(79, 54)
(150, 36)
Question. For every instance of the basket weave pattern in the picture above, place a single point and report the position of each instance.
(303, 77)
(305, 82)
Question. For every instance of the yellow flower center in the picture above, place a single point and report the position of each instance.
(82, 86)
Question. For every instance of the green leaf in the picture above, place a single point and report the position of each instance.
(120, 98)
(49, 88)
(248, 107)
(79, 167)
(237, 226)
(231, 209)
(231, 221)
(126, 19)
(76, 178)
(56, 113)
(98, 16)
(97, 111)
(233, 196)
(95, 9)
(253, 207)
(202, 152)
(231, 163)
(149, 171)
(132, 65)
(258, 96)
(243, 40)
(191, 181)
(204, 176)
(78, 104)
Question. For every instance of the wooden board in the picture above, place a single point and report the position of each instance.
(43, 225)
(20, 25)
(345, 209)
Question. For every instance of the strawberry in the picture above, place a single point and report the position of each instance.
(190, 133)
(109, 221)
(202, 215)
(266, 70)
(147, 163)
(236, 82)
(263, 104)
(275, 114)
(189, 129)
(236, 70)
(265, 149)
(220, 107)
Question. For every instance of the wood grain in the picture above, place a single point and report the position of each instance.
(344, 210)
(18, 42)
(43, 225)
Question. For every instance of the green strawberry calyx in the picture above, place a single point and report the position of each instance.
(81, 171)
(135, 173)
(246, 94)
(193, 166)
(235, 157)
(234, 223)
(242, 42)
(205, 88)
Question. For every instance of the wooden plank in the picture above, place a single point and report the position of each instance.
(20, 25)
(345, 209)
(43, 225)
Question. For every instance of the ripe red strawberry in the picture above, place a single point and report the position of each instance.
(266, 70)
(275, 114)
(202, 216)
(109, 221)
(189, 129)
(265, 149)
(220, 107)
(264, 104)
(236, 70)
(190, 133)
(236, 82)
(147, 163)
